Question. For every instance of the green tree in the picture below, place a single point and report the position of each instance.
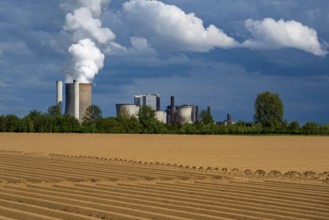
(54, 110)
(2, 123)
(311, 128)
(12, 123)
(269, 109)
(92, 116)
(206, 118)
(146, 117)
(294, 127)
(68, 124)
(27, 124)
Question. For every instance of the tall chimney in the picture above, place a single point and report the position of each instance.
(158, 108)
(209, 110)
(196, 113)
(76, 99)
(173, 110)
(59, 95)
(229, 118)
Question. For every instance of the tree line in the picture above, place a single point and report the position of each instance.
(268, 119)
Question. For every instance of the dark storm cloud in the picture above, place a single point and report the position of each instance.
(33, 48)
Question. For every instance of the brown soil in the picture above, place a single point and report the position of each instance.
(281, 153)
(85, 176)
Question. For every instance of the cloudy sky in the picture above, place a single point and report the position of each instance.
(214, 52)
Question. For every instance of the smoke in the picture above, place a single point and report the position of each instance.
(82, 21)
(87, 60)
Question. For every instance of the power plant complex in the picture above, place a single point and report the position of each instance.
(78, 98)
(173, 114)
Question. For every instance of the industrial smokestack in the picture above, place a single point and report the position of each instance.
(158, 108)
(209, 110)
(196, 113)
(59, 95)
(78, 99)
(173, 110)
(229, 118)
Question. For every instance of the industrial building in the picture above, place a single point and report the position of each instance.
(152, 100)
(77, 98)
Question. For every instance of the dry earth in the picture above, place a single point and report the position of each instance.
(79, 176)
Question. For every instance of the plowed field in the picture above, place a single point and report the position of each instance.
(88, 181)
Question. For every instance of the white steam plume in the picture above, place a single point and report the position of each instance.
(86, 59)
(276, 34)
(85, 63)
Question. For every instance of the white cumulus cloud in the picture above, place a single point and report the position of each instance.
(270, 33)
(170, 27)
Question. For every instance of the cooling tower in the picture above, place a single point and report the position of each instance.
(184, 114)
(127, 110)
(78, 99)
(161, 116)
(59, 95)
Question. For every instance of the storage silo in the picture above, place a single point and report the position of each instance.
(78, 99)
(184, 114)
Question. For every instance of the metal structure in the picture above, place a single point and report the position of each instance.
(78, 98)
(184, 114)
(59, 95)
(127, 110)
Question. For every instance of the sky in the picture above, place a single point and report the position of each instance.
(216, 53)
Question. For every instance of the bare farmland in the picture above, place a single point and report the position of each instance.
(71, 176)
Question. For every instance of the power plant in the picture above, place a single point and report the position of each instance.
(77, 98)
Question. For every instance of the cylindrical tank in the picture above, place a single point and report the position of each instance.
(184, 114)
(77, 98)
(59, 95)
(161, 116)
(127, 110)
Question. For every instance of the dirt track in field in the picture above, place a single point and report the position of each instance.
(54, 176)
